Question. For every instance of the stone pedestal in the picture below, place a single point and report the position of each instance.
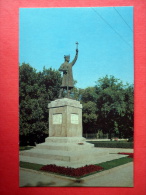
(65, 118)
(65, 145)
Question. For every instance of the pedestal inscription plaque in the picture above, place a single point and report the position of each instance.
(74, 119)
(57, 119)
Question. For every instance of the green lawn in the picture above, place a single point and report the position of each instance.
(33, 166)
(112, 144)
(106, 165)
(114, 163)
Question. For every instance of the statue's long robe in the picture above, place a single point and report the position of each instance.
(66, 68)
(67, 79)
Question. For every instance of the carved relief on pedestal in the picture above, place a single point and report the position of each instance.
(57, 119)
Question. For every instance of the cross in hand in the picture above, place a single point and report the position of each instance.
(77, 45)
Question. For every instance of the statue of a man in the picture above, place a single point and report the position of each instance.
(66, 68)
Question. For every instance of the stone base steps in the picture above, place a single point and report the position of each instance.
(65, 140)
(75, 164)
(76, 155)
(65, 147)
(68, 152)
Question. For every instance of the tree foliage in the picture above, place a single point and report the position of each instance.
(37, 89)
(88, 99)
(107, 106)
(114, 107)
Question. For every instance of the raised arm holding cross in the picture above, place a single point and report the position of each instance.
(66, 68)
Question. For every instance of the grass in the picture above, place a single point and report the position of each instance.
(111, 164)
(106, 165)
(112, 144)
(33, 166)
(114, 163)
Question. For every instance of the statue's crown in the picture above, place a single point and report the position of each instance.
(66, 56)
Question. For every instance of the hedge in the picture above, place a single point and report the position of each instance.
(112, 144)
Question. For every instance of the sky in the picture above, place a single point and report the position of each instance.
(104, 34)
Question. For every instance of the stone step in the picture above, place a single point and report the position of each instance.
(65, 146)
(65, 139)
(63, 155)
(74, 164)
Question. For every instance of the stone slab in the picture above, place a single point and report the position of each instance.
(64, 102)
(79, 139)
(98, 158)
(66, 147)
(63, 149)
(67, 152)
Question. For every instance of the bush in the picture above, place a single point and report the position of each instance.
(111, 144)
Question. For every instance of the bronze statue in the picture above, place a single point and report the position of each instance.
(66, 68)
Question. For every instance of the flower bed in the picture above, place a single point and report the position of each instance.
(131, 155)
(73, 172)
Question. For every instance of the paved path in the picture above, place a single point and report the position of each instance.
(121, 176)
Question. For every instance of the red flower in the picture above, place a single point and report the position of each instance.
(131, 155)
(74, 172)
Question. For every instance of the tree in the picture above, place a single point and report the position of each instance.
(88, 99)
(112, 106)
(37, 89)
(126, 122)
